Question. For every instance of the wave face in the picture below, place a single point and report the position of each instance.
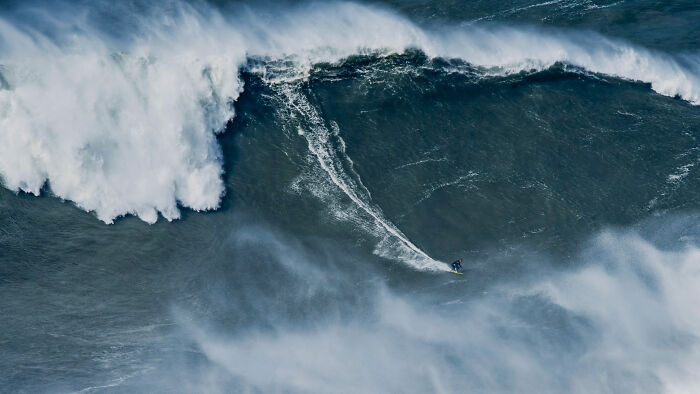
(346, 154)
(126, 124)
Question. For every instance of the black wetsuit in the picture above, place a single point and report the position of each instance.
(457, 266)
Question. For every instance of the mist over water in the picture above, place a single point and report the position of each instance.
(318, 165)
(620, 323)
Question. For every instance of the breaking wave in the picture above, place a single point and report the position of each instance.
(126, 123)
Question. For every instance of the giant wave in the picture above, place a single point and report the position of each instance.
(126, 123)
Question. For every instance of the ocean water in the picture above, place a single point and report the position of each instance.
(252, 197)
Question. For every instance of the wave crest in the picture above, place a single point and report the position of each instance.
(127, 125)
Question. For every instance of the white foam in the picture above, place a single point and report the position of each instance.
(128, 126)
(117, 132)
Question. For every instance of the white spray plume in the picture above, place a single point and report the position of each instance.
(626, 321)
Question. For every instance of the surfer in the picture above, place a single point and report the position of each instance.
(457, 265)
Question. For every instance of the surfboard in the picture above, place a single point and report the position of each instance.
(458, 273)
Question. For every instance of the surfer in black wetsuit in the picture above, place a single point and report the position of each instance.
(457, 266)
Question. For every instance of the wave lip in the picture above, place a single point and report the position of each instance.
(117, 132)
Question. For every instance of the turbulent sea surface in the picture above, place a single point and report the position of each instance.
(265, 197)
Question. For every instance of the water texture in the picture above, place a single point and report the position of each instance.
(266, 197)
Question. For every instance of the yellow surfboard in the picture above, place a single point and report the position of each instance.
(458, 273)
